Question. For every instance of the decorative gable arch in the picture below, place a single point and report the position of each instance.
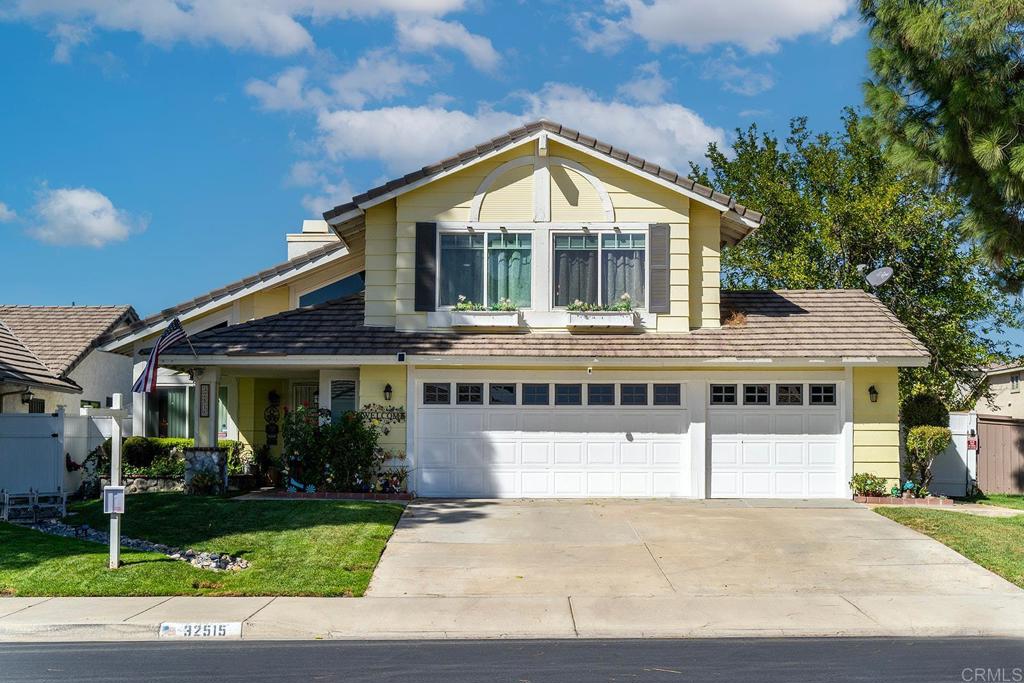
(541, 185)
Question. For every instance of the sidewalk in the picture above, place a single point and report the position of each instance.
(805, 615)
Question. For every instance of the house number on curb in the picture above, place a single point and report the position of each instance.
(179, 629)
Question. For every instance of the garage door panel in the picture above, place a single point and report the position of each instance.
(568, 483)
(535, 421)
(469, 421)
(536, 483)
(756, 453)
(535, 452)
(569, 453)
(666, 483)
(822, 454)
(789, 424)
(667, 453)
(790, 453)
(724, 452)
(725, 484)
(435, 452)
(634, 483)
(437, 480)
(501, 421)
(755, 423)
(822, 424)
(664, 423)
(633, 454)
(600, 453)
(756, 484)
(790, 484)
(822, 483)
(601, 483)
(438, 424)
(723, 423)
(501, 452)
(470, 453)
(471, 480)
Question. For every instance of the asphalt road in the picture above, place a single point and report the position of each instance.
(564, 661)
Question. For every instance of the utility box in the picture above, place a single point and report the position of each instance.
(113, 500)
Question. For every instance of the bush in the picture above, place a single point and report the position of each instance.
(923, 409)
(924, 444)
(343, 455)
(147, 456)
(867, 484)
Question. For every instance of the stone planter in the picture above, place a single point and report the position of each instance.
(602, 319)
(485, 319)
(206, 459)
(148, 484)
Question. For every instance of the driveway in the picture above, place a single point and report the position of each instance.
(669, 548)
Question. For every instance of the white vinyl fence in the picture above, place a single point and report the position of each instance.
(33, 448)
(955, 471)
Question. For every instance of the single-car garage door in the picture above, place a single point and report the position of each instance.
(775, 440)
(484, 438)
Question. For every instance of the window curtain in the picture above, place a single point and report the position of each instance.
(575, 270)
(509, 265)
(623, 274)
(462, 268)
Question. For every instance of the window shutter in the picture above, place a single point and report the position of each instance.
(658, 300)
(426, 266)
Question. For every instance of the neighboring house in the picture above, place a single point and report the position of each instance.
(698, 392)
(49, 357)
(1004, 382)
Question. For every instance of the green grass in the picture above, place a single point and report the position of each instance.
(1005, 500)
(313, 548)
(996, 543)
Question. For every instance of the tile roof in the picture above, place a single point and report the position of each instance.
(226, 290)
(18, 365)
(779, 324)
(558, 129)
(60, 336)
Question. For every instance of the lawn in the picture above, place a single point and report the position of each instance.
(315, 548)
(1005, 500)
(996, 543)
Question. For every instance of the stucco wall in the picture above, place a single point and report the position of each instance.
(1006, 401)
(100, 374)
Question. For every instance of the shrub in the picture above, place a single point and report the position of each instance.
(924, 444)
(923, 409)
(148, 456)
(339, 455)
(867, 484)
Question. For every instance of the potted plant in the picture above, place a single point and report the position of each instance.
(617, 315)
(467, 313)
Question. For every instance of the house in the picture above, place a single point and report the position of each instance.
(1004, 382)
(694, 392)
(49, 357)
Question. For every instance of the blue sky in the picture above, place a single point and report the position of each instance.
(153, 151)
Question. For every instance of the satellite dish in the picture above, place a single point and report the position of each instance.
(879, 276)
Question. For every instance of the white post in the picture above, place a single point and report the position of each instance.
(115, 480)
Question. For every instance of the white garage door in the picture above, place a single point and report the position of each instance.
(551, 439)
(776, 440)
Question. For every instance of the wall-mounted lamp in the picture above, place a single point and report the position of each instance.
(26, 397)
(873, 394)
(387, 392)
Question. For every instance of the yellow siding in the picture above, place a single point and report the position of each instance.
(270, 301)
(510, 197)
(246, 416)
(573, 198)
(372, 379)
(876, 426)
(380, 265)
(704, 267)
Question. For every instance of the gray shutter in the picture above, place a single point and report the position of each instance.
(426, 266)
(658, 300)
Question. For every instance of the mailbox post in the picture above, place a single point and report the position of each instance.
(113, 495)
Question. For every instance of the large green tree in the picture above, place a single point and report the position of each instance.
(948, 99)
(837, 201)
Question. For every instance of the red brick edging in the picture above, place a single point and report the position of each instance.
(889, 500)
(331, 495)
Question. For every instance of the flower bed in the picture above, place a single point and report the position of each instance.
(890, 500)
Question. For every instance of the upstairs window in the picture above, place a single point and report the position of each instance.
(336, 290)
(1014, 382)
(485, 268)
(599, 269)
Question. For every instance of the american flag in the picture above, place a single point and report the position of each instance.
(146, 383)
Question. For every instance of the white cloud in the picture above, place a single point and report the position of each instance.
(404, 138)
(648, 87)
(7, 214)
(376, 76)
(756, 25)
(67, 37)
(423, 34)
(266, 26)
(735, 78)
(81, 216)
(287, 92)
(845, 29)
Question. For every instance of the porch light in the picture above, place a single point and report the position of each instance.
(387, 392)
(26, 397)
(873, 394)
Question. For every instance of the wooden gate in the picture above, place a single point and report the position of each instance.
(1000, 454)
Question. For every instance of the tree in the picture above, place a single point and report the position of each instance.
(834, 202)
(948, 100)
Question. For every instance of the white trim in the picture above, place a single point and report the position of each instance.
(413, 476)
(387, 196)
(847, 433)
(227, 298)
(541, 189)
(462, 229)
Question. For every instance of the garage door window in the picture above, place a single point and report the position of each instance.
(568, 394)
(502, 394)
(601, 394)
(469, 394)
(789, 394)
(633, 394)
(756, 395)
(823, 394)
(536, 395)
(667, 395)
(435, 394)
(723, 394)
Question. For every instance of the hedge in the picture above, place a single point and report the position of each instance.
(148, 456)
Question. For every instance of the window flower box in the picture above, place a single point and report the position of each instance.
(605, 319)
(485, 319)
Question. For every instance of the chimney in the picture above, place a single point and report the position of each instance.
(315, 234)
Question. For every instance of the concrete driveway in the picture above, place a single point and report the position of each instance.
(622, 548)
